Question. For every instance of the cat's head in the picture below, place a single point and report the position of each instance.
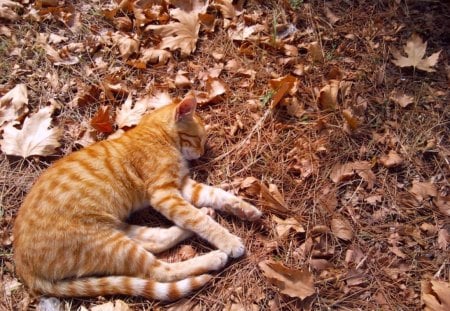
(190, 129)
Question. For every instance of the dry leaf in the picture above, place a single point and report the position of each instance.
(415, 49)
(423, 190)
(49, 304)
(102, 120)
(186, 252)
(226, 8)
(436, 295)
(35, 137)
(282, 86)
(8, 9)
(341, 172)
(330, 15)
(328, 95)
(341, 228)
(118, 305)
(182, 35)
(154, 56)
(284, 226)
(62, 58)
(443, 204)
(402, 100)
(443, 239)
(316, 52)
(13, 105)
(88, 138)
(391, 159)
(292, 282)
(128, 116)
(157, 100)
(181, 80)
(126, 44)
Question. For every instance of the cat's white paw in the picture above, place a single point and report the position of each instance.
(233, 246)
(243, 210)
(218, 259)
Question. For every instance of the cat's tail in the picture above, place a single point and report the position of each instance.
(123, 285)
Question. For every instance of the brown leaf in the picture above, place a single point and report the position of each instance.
(341, 228)
(352, 122)
(226, 8)
(186, 252)
(423, 190)
(285, 226)
(341, 172)
(102, 120)
(328, 95)
(35, 137)
(443, 239)
(126, 44)
(292, 282)
(316, 52)
(155, 56)
(391, 159)
(330, 15)
(13, 105)
(415, 49)
(282, 86)
(118, 305)
(443, 204)
(436, 295)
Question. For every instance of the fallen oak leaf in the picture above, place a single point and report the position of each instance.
(341, 172)
(415, 49)
(35, 137)
(102, 120)
(292, 282)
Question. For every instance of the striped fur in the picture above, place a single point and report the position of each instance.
(70, 235)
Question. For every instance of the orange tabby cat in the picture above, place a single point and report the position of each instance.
(70, 235)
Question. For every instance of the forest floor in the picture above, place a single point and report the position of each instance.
(316, 115)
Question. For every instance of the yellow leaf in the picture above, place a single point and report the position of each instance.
(415, 49)
(35, 137)
(292, 282)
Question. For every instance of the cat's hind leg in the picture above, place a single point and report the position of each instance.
(200, 195)
(157, 240)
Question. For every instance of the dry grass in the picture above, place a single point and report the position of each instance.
(380, 279)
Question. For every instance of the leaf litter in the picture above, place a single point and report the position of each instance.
(348, 157)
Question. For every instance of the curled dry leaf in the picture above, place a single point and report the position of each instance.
(13, 105)
(102, 120)
(8, 9)
(126, 44)
(118, 305)
(341, 228)
(282, 86)
(215, 88)
(316, 52)
(391, 159)
(181, 35)
(415, 49)
(292, 282)
(328, 95)
(157, 100)
(443, 204)
(284, 226)
(436, 295)
(181, 80)
(226, 8)
(155, 56)
(402, 100)
(443, 239)
(341, 172)
(35, 137)
(423, 190)
(129, 115)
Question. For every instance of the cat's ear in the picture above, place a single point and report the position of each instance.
(186, 108)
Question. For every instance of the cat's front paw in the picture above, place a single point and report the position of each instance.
(233, 247)
(243, 210)
(218, 259)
